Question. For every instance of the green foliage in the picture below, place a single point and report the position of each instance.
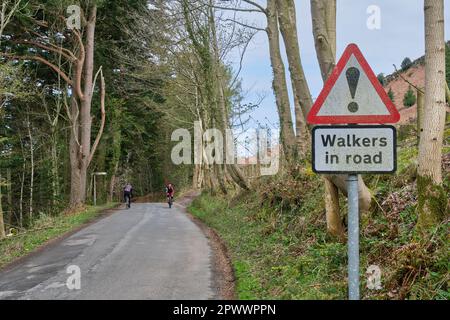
(133, 143)
(409, 98)
(391, 95)
(406, 64)
(381, 78)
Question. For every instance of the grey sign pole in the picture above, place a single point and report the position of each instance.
(95, 184)
(95, 191)
(352, 95)
(353, 237)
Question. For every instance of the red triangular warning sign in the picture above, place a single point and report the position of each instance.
(353, 94)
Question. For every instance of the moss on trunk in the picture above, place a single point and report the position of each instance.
(432, 205)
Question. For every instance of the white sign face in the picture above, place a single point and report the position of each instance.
(361, 93)
(354, 149)
(352, 94)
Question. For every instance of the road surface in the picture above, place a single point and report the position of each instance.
(146, 252)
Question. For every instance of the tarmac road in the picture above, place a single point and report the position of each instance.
(146, 252)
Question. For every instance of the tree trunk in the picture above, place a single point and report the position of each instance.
(334, 222)
(9, 195)
(198, 154)
(196, 176)
(447, 94)
(323, 13)
(240, 179)
(30, 214)
(432, 199)
(80, 138)
(301, 129)
(22, 183)
(112, 182)
(2, 224)
(288, 141)
(324, 29)
(301, 90)
(54, 164)
(420, 110)
(302, 97)
(77, 191)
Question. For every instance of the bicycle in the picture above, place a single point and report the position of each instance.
(170, 201)
(127, 201)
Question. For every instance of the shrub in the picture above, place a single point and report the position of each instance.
(409, 99)
(391, 95)
(381, 78)
(406, 63)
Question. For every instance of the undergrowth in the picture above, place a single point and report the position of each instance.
(277, 238)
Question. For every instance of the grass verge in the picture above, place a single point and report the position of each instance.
(46, 228)
(271, 256)
(277, 240)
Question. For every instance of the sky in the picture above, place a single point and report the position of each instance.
(401, 34)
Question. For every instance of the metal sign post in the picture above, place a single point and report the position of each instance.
(353, 237)
(95, 184)
(95, 191)
(353, 94)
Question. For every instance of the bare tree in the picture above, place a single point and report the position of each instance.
(81, 151)
(432, 198)
(302, 97)
(2, 223)
(8, 9)
(279, 82)
(324, 27)
(31, 141)
(81, 82)
(323, 14)
(236, 175)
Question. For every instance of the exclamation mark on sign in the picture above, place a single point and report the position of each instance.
(352, 80)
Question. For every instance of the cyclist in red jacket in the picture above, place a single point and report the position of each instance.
(169, 193)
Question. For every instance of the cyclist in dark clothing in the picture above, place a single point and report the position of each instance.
(128, 194)
(169, 193)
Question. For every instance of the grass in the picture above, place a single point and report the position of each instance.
(276, 235)
(272, 256)
(45, 228)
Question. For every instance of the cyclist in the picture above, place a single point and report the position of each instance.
(169, 193)
(127, 194)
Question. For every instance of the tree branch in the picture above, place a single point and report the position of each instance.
(237, 9)
(42, 60)
(241, 60)
(64, 52)
(246, 25)
(408, 82)
(79, 65)
(256, 5)
(103, 116)
(447, 92)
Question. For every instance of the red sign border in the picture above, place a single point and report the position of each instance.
(313, 118)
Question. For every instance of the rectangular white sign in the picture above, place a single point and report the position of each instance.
(354, 149)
